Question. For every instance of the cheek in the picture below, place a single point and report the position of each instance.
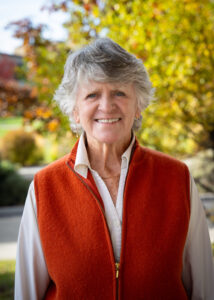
(132, 112)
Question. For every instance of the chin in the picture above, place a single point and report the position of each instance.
(108, 138)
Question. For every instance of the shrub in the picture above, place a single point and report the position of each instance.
(20, 147)
(13, 188)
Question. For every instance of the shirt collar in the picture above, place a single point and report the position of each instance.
(82, 163)
(127, 154)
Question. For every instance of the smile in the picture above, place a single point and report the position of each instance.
(104, 121)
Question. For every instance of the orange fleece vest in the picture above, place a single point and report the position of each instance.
(76, 241)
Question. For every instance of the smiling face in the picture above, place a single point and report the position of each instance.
(106, 111)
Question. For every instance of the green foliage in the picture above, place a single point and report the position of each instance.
(20, 147)
(175, 39)
(43, 69)
(13, 188)
(7, 269)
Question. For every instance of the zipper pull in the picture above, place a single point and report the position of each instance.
(117, 267)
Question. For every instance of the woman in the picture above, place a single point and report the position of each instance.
(112, 220)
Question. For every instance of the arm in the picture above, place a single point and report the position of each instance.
(31, 276)
(198, 269)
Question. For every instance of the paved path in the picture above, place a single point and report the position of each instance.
(9, 224)
(10, 218)
(29, 172)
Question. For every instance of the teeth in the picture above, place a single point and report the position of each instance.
(107, 120)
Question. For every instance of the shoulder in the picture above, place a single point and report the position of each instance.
(144, 152)
(164, 169)
(157, 159)
(53, 167)
(160, 156)
(60, 166)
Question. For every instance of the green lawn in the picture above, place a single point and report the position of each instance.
(7, 269)
(7, 124)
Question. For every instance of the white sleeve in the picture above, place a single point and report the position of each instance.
(198, 268)
(31, 276)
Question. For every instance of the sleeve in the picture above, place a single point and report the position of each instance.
(31, 275)
(198, 268)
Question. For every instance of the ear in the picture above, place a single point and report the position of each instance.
(137, 114)
(75, 114)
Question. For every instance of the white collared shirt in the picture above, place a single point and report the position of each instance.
(113, 213)
(32, 278)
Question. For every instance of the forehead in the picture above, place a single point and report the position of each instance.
(90, 85)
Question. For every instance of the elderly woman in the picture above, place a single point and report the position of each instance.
(112, 220)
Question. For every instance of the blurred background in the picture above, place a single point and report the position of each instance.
(175, 40)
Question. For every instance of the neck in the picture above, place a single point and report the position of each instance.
(106, 158)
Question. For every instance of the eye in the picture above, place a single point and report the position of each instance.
(119, 94)
(91, 96)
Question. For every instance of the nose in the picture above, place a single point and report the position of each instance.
(106, 103)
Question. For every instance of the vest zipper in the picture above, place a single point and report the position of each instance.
(117, 265)
(117, 272)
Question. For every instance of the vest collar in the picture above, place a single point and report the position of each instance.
(73, 154)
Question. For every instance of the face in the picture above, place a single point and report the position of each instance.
(106, 111)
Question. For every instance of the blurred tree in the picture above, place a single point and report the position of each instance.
(175, 39)
(15, 99)
(44, 68)
(15, 94)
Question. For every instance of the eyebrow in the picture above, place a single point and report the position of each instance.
(93, 91)
(112, 90)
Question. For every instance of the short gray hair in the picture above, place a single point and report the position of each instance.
(102, 61)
